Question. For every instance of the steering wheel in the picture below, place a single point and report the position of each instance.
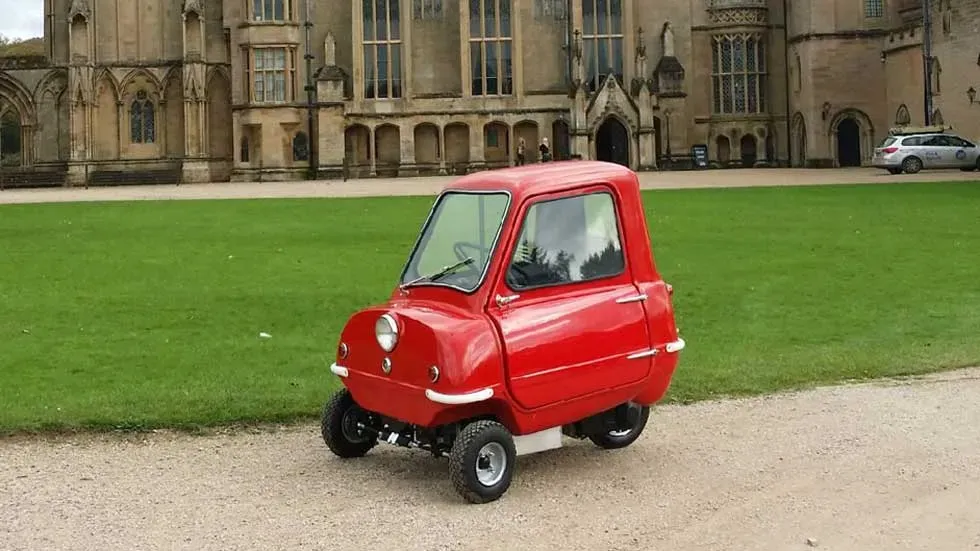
(459, 246)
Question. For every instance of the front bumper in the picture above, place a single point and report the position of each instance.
(410, 403)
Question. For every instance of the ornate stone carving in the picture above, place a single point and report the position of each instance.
(667, 40)
(80, 83)
(194, 75)
(79, 7)
(740, 16)
(194, 6)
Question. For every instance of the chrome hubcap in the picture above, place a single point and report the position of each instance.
(491, 463)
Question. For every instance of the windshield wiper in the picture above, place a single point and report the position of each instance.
(441, 273)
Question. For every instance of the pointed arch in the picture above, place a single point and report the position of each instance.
(105, 120)
(219, 131)
(17, 96)
(902, 116)
(54, 80)
(107, 78)
(852, 137)
(937, 118)
(141, 78)
(217, 71)
(174, 77)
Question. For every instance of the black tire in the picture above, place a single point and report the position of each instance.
(339, 429)
(615, 441)
(912, 165)
(465, 458)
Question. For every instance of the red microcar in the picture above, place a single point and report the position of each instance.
(530, 308)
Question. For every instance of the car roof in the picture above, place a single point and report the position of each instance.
(548, 177)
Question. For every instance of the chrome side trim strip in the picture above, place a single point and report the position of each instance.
(644, 354)
(458, 399)
(627, 300)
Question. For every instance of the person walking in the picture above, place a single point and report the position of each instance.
(545, 150)
(521, 152)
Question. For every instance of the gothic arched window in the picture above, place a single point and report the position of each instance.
(142, 119)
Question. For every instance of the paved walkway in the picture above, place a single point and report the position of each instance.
(431, 185)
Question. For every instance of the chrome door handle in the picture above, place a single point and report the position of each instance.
(505, 300)
(635, 298)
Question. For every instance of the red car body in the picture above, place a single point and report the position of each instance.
(532, 358)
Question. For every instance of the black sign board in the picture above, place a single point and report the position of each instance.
(700, 154)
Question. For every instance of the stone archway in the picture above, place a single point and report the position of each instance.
(848, 143)
(387, 150)
(748, 147)
(723, 149)
(612, 142)
(427, 148)
(357, 149)
(11, 145)
(852, 137)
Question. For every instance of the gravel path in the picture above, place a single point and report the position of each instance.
(888, 465)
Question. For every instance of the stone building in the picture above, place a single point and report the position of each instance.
(198, 90)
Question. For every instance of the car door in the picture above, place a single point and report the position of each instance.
(964, 152)
(931, 151)
(571, 319)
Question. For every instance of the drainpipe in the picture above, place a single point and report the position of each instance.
(311, 141)
(789, 123)
(927, 60)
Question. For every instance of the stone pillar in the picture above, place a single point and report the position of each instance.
(407, 145)
(442, 150)
(373, 151)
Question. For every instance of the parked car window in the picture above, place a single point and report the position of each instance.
(956, 141)
(888, 141)
(567, 240)
(463, 226)
(937, 141)
(914, 140)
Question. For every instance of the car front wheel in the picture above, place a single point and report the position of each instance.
(482, 461)
(340, 430)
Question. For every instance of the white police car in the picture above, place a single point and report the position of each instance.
(911, 150)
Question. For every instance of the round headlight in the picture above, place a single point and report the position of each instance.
(386, 331)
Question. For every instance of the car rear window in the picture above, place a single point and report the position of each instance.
(888, 141)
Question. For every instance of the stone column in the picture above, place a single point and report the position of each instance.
(442, 149)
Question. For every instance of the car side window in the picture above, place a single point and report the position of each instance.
(959, 142)
(912, 141)
(937, 141)
(567, 240)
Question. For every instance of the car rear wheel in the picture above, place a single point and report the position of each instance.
(339, 427)
(482, 461)
(912, 165)
(612, 440)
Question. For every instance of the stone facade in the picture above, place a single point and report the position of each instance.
(197, 90)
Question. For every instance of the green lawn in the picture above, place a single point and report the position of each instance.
(148, 313)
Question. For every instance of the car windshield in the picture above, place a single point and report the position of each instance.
(457, 242)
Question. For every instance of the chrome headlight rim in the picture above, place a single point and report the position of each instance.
(386, 332)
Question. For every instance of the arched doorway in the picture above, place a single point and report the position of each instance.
(723, 149)
(612, 142)
(562, 138)
(848, 143)
(747, 145)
